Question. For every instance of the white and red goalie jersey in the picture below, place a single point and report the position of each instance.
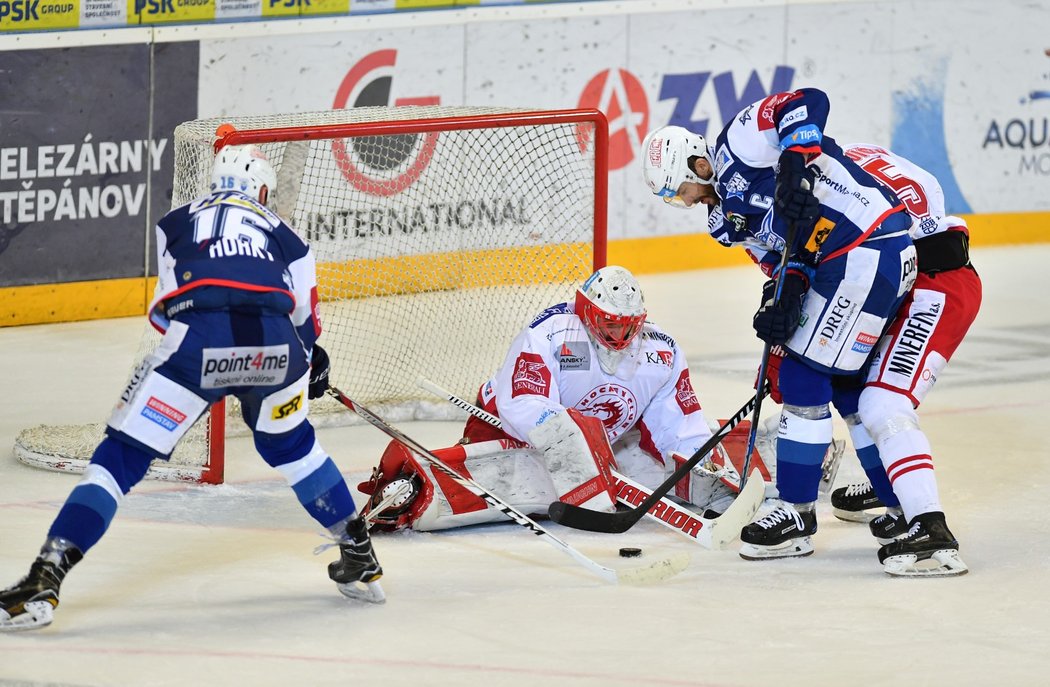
(553, 365)
(647, 408)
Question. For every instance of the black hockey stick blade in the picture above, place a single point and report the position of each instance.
(621, 521)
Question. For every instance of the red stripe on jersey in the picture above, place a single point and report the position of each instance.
(230, 284)
(864, 237)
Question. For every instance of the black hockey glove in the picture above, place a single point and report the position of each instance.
(794, 195)
(774, 323)
(319, 367)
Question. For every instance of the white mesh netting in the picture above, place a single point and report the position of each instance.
(433, 250)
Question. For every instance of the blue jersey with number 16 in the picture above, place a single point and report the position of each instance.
(227, 251)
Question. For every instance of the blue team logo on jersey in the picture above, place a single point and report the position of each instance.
(736, 186)
(766, 235)
(928, 225)
(745, 116)
(722, 160)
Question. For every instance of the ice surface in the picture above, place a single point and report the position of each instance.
(218, 585)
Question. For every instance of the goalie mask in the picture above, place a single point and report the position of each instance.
(612, 310)
(244, 169)
(667, 162)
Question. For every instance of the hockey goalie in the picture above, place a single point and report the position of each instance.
(590, 398)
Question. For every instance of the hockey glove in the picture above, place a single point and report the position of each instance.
(776, 356)
(775, 322)
(794, 196)
(319, 367)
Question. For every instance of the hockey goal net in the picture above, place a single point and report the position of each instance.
(439, 233)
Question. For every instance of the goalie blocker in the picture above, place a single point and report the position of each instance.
(404, 493)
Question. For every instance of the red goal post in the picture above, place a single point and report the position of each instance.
(439, 232)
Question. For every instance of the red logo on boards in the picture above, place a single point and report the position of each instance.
(388, 164)
(619, 94)
(531, 376)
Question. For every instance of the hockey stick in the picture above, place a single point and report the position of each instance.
(767, 348)
(660, 570)
(666, 512)
(594, 521)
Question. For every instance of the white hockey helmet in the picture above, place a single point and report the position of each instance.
(244, 168)
(611, 306)
(665, 156)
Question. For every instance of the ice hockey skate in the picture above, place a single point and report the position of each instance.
(928, 550)
(31, 603)
(783, 533)
(888, 526)
(853, 502)
(357, 571)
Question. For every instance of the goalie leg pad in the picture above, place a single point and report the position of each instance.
(709, 485)
(438, 502)
(578, 456)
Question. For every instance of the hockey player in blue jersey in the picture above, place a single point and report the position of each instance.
(236, 301)
(849, 268)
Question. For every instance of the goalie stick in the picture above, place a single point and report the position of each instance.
(595, 521)
(660, 570)
(711, 533)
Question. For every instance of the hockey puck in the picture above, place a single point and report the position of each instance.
(630, 552)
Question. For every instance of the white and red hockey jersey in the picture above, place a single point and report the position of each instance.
(919, 190)
(553, 365)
